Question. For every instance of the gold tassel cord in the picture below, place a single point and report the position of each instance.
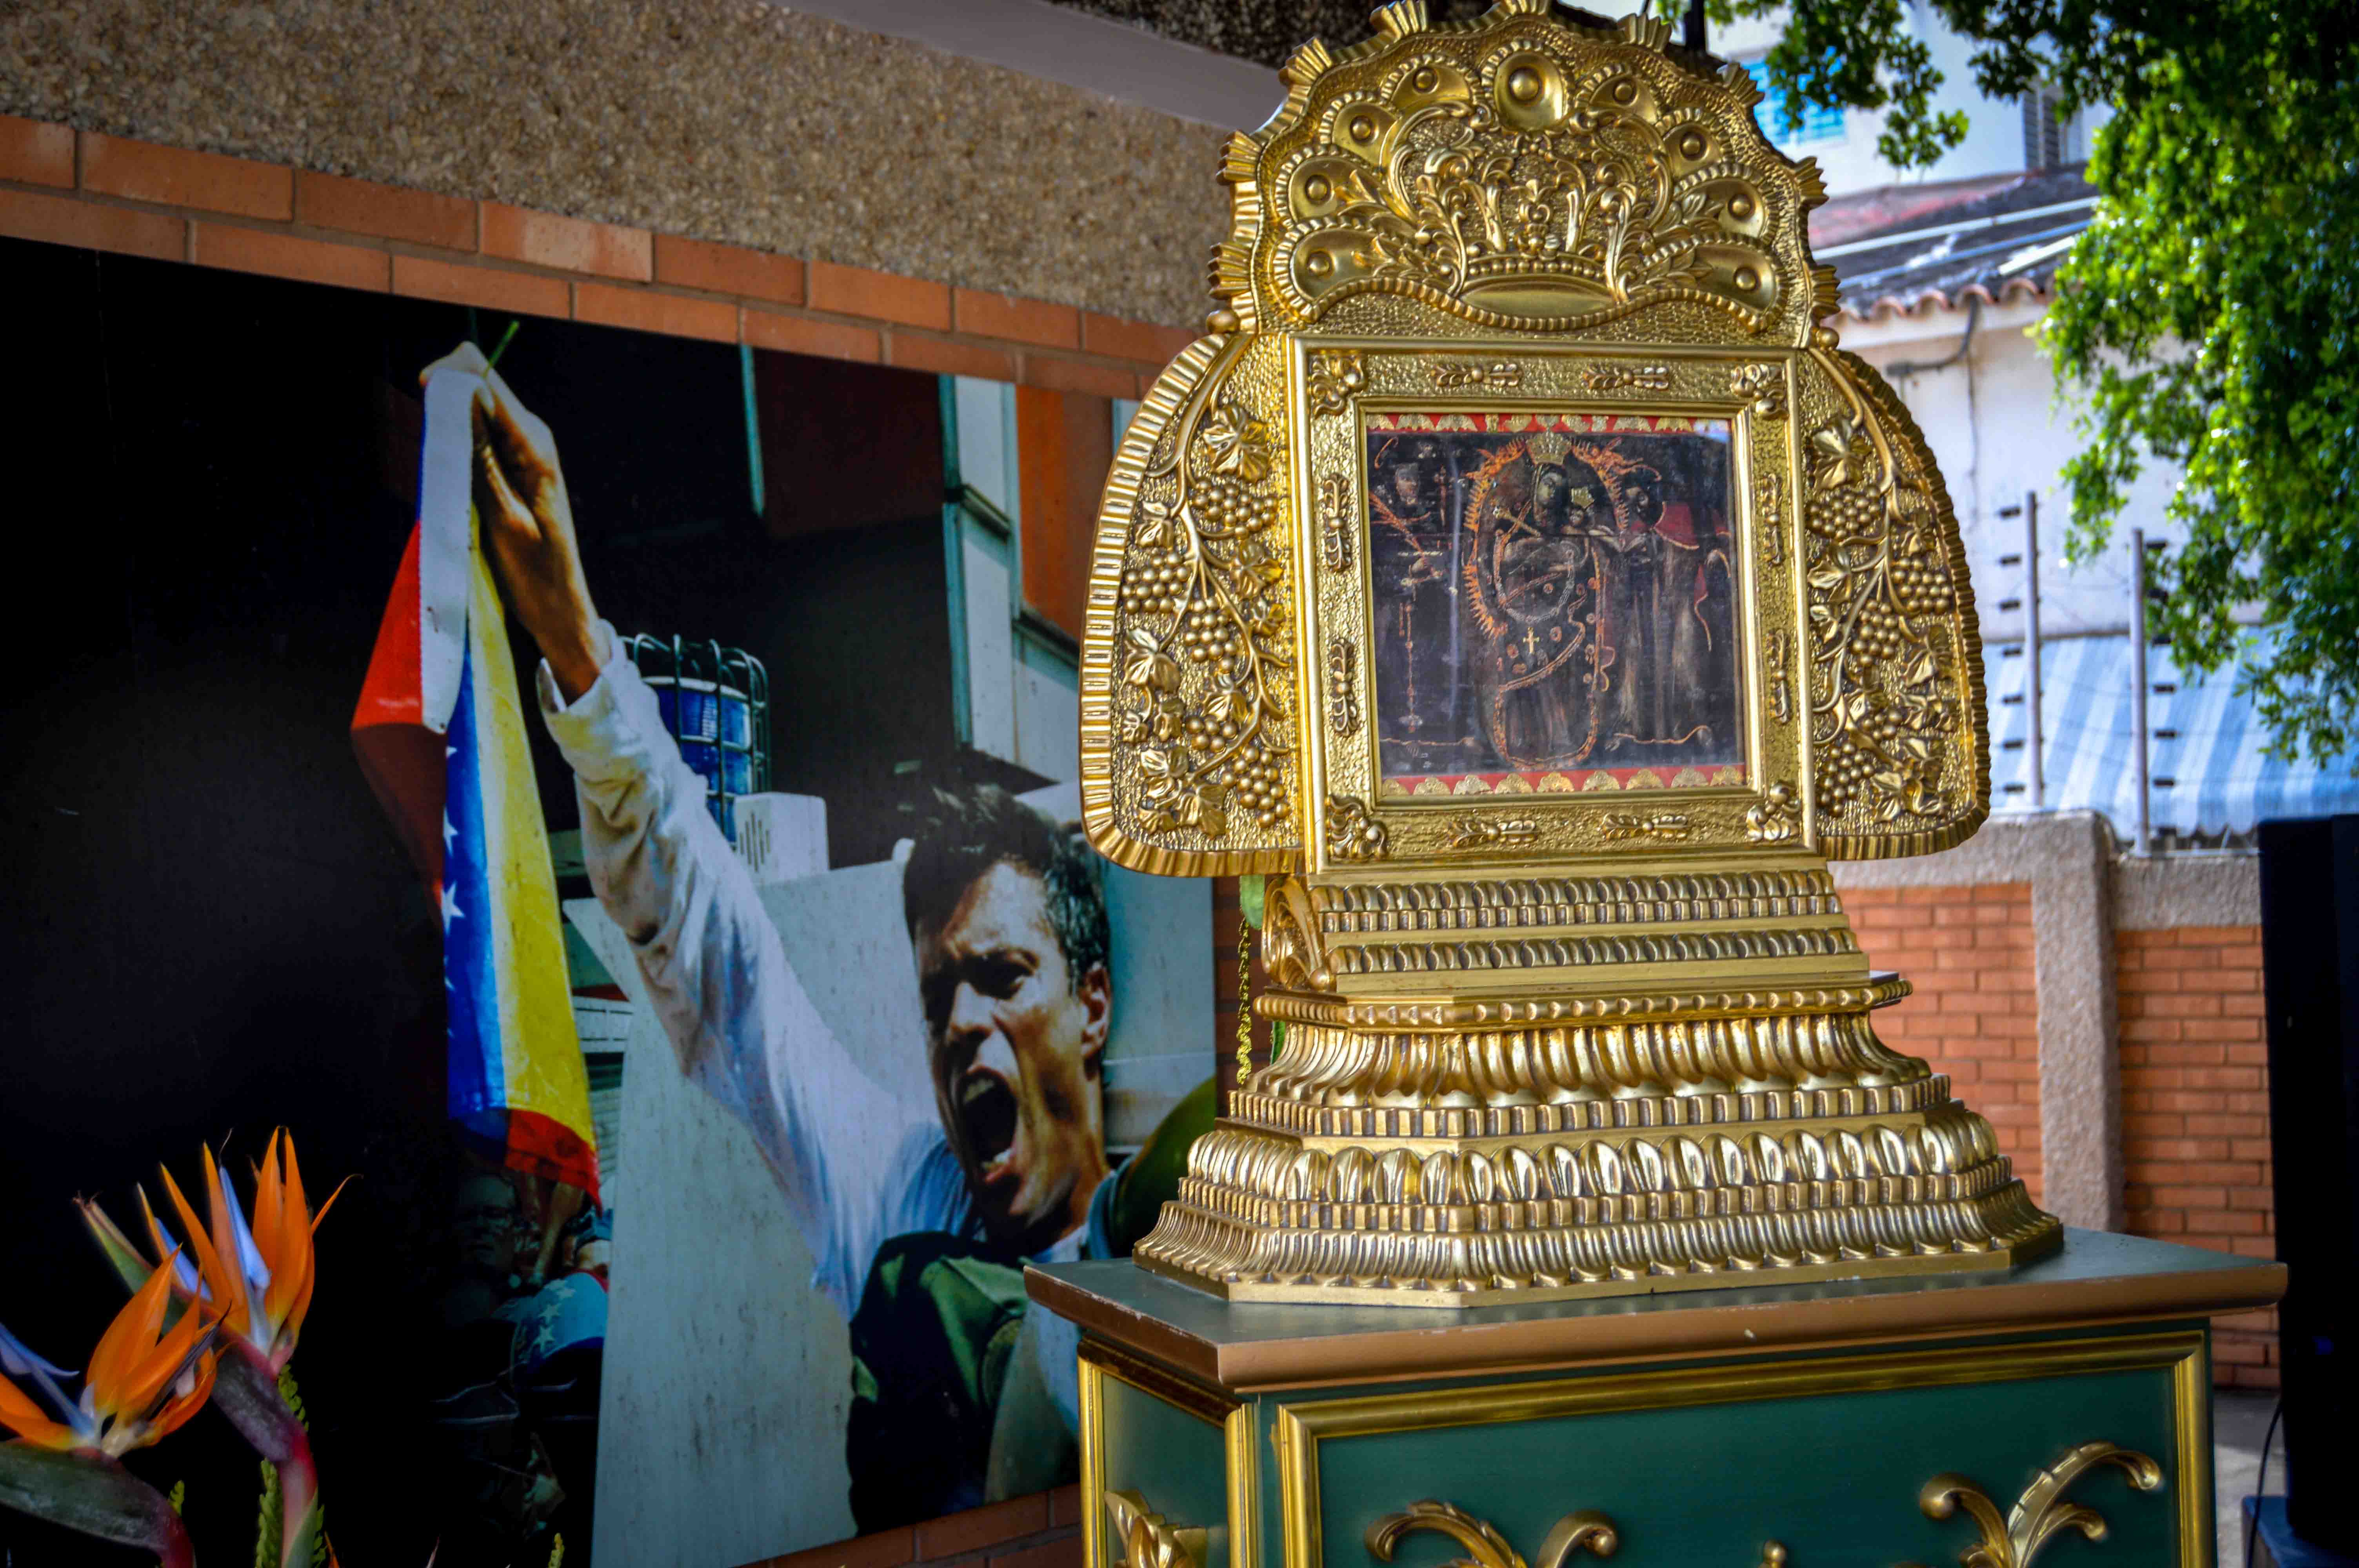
(1245, 997)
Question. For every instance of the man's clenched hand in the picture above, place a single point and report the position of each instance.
(528, 523)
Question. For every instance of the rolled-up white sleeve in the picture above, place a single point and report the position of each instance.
(738, 1018)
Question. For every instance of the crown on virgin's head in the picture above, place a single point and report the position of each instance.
(1550, 447)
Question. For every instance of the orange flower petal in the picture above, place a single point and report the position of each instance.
(297, 1205)
(228, 1297)
(225, 1230)
(269, 1215)
(155, 1236)
(180, 1407)
(289, 1312)
(158, 1370)
(20, 1415)
(282, 1229)
(125, 1343)
(330, 1203)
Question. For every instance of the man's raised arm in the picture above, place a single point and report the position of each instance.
(737, 1014)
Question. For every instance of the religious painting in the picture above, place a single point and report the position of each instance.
(1554, 601)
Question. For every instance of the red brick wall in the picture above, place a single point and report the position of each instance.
(109, 193)
(1975, 1010)
(2195, 1110)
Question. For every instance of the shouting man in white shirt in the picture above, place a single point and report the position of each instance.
(920, 1223)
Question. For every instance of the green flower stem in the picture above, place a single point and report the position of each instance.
(96, 1496)
(298, 1504)
(246, 1389)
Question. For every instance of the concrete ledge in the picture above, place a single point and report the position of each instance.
(2160, 892)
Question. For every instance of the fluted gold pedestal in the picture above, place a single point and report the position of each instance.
(1591, 1139)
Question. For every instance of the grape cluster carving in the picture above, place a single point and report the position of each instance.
(1205, 654)
(1882, 710)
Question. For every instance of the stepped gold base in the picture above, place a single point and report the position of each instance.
(1396, 1157)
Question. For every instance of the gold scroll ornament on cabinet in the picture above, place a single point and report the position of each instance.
(2012, 1541)
(1519, 570)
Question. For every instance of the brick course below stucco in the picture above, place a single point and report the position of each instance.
(1974, 1012)
(2195, 1110)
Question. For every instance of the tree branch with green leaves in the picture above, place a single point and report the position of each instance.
(2205, 319)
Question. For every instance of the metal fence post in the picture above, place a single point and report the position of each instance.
(2137, 687)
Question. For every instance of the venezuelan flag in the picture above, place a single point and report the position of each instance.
(440, 734)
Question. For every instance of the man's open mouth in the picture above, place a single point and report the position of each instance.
(986, 1107)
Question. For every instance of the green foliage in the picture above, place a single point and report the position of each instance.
(1857, 54)
(271, 1526)
(287, 1392)
(2205, 317)
(270, 1522)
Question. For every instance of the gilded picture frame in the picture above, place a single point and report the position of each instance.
(1337, 385)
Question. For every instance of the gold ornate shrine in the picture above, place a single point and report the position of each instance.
(1520, 570)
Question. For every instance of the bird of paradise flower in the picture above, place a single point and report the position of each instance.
(255, 1279)
(145, 1380)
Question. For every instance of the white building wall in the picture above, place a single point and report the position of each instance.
(1994, 143)
(1999, 430)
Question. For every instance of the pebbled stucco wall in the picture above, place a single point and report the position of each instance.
(730, 120)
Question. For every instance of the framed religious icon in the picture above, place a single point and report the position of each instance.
(1552, 603)
(1520, 574)
(1537, 603)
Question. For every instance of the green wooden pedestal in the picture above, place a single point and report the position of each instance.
(2061, 1411)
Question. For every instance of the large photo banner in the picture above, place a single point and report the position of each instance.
(607, 801)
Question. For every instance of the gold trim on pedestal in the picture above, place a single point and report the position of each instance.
(1438, 1166)
(1298, 1428)
(1234, 1419)
(2040, 1512)
(2010, 1543)
(2079, 1287)
(1586, 1529)
(1151, 1540)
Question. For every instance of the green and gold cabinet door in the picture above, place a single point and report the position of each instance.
(2083, 1452)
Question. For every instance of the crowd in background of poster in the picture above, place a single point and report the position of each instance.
(861, 1025)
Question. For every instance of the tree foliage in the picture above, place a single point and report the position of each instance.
(2206, 316)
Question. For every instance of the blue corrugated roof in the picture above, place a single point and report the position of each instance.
(2209, 774)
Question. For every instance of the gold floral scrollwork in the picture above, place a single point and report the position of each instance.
(1773, 521)
(1761, 387)
(1599, 379)
(1334, 534)
(1587, 191)
(1450, 374)
(1775, 818)
(1151, 1540)
(1336, 374)
(1201, 659)
(1485, 833)
(1892, 685)
(1621, 827)
(1353, 832)
(1342, 706)
(1484, 1547)
(1586, 1529)
(2040, 1513)
(1236, 442)
(1781, 692)
(1291, 951)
